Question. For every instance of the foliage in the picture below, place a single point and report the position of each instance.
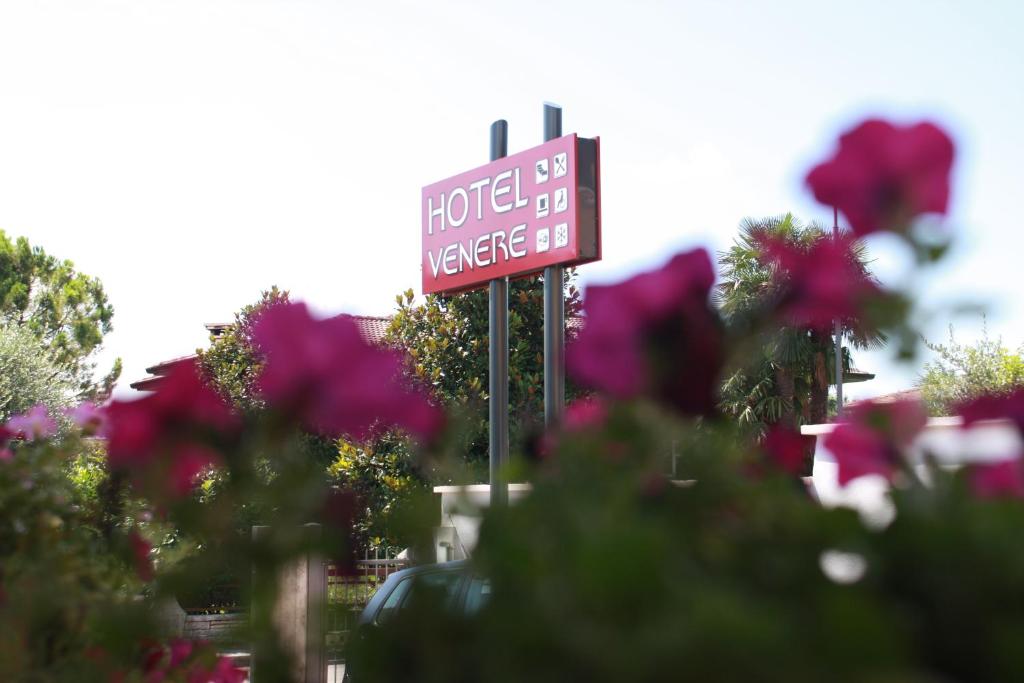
(445, 338)
(385, 476)
(784, 377)
(59, 575)
(606, 572)
(445, 342)
(66, 310)
(962, 372)
(232, 362)
(28, 374)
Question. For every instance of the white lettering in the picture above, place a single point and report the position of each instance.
(458, 192)
(479, 185)
(466, 255)
(520, 199)
(451, 253)
(499, 243)
(513, 238)
(431, 212)
(497, 191)
(482, 242)
(434, 265)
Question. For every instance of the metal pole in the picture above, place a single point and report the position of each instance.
(498, 353)
(554, 309)
(838, 332)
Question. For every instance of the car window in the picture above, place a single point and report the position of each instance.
(478, 595)
(446, 584)
(393, 602)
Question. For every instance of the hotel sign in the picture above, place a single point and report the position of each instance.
(514, 216)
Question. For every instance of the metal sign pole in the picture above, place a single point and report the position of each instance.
(498, 354)
(838, 332)
(554, 309)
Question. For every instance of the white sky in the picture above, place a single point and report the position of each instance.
(192, 153)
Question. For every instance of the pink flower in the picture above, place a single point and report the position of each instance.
(874, 437)
(994, 407)
(34, 424)
(585, 413)
(223, 672)
(187, 658)
(140, 549)
(820, 283)
(180, 648)
(785, 447)
(169, 436)
(654, 334)
(323, 373)
(5, 436)
(1003, 479)
(883, 175)
(88, 417)
(188, 461)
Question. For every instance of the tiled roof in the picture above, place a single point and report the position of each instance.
(373, 328)
(904, 395)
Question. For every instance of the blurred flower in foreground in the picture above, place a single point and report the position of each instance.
(785, 447)
(140, 549)
(5, 436)
(585, 413)
(1003, 478)
(820, 283)
(325, 374)
(1008, 406)
(1000, 479)
(187, 657)
(170, 432)
(874, 436)
(654, 334)
(88, 417)
(34, 424)
(883, 175)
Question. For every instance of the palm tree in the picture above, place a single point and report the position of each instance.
(789, 373)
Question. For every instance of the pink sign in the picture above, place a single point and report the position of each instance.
(514, 216)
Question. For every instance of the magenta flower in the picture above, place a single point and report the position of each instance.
(185, 660)
(874, 437)
(5, 436)
(585, 413)
(34, 424)
(785, 447)
(883, 175)
(818, 284)
(181, 649)
(140, 549)
(168, 437)
(325, 375)
(1008, 406)
(89, 418)
(222, 672)
(1002, 479)
(655, 335)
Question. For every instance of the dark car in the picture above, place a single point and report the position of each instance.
(454, 582)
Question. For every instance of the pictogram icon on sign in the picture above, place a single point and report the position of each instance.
(561, 199)
(542, 205)
(561, 235)
(542, 171)
(561, 164)
(543, 240)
